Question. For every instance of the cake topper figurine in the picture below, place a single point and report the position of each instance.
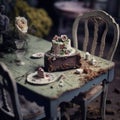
(87, 56)
(4, 23)
(93, 61)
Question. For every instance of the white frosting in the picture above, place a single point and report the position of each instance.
(61, 47)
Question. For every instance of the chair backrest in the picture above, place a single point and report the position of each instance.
(98, 29)
(8, 95)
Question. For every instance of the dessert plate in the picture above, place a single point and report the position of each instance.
(38, 55)
(34, 79)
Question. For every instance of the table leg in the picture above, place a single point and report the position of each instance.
(51, 110)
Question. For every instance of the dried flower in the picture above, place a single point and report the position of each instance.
(55, 37)
(64, 37)
(21, 24)
(40, 22)
(61, 38)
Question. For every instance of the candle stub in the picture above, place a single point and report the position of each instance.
(87, 55)
(61, 83)
(79, 71)
(93, 61)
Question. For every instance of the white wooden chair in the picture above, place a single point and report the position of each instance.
(97, 29)
(14, 106)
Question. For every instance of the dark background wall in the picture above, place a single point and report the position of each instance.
(111, 6)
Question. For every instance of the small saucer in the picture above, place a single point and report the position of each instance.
(34, 79)
(38, 55)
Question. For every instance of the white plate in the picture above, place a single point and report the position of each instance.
(32, 78)
(38, 55)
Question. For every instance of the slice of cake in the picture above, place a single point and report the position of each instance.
(61, 56)
(40, 73)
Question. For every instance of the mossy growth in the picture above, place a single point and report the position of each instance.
(39, 22)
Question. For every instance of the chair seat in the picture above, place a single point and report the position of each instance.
(30, 110)
(95, 28)
(90, 93)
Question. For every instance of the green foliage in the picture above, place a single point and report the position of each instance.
(38, 20)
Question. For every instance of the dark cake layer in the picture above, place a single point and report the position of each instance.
(55, 63)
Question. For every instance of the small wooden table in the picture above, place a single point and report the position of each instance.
(51, 95)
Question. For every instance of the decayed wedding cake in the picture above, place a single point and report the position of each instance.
(61, 56)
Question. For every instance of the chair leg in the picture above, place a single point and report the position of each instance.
(83, 106)
(103, 101)
(59, 115)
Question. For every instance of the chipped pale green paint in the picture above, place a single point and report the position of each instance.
(71, 80)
